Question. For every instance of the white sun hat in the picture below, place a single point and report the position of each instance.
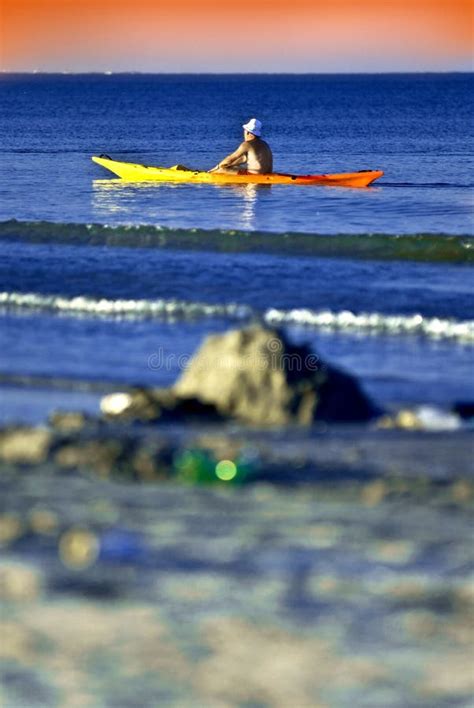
(254, 126)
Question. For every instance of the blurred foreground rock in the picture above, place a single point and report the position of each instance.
(213, 453)
(253, 375)
(24, 445)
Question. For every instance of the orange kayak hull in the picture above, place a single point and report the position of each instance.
(131, 172)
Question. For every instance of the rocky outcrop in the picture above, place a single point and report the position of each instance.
(256, 376)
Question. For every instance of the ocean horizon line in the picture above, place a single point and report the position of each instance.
(111, 72)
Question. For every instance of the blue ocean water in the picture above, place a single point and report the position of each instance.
(100, 312)
(417, 128)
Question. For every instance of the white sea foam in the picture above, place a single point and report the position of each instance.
(81, 305)
(344, 321)
(375, 322)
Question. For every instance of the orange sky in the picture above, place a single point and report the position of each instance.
(205, 35)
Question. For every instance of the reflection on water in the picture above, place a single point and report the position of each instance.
(114, 196)
(106, 196)
(148, 200)
(248, 195)
(246, 207)
(249, 198)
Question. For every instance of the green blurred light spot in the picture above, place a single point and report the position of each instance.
(226, 470)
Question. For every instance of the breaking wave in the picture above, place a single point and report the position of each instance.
(139, 309)
(171, 310)
(440, 248)
(346, 321)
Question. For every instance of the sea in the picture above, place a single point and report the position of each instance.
(107, 284)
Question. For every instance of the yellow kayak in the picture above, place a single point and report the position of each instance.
(142, 173)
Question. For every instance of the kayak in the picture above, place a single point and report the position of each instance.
(142, 173)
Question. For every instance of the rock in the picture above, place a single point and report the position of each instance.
(24, 445)
(436, 419)
(43, 521)
(252, 375)
(19, 582)
(156, 404)
(256, 376)
(103, 456)
(113, 453)
(79, 548)
(139, 404)
(68, 421)
(11, 528)
(421, 418)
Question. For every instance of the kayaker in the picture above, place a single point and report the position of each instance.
(253, 156)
